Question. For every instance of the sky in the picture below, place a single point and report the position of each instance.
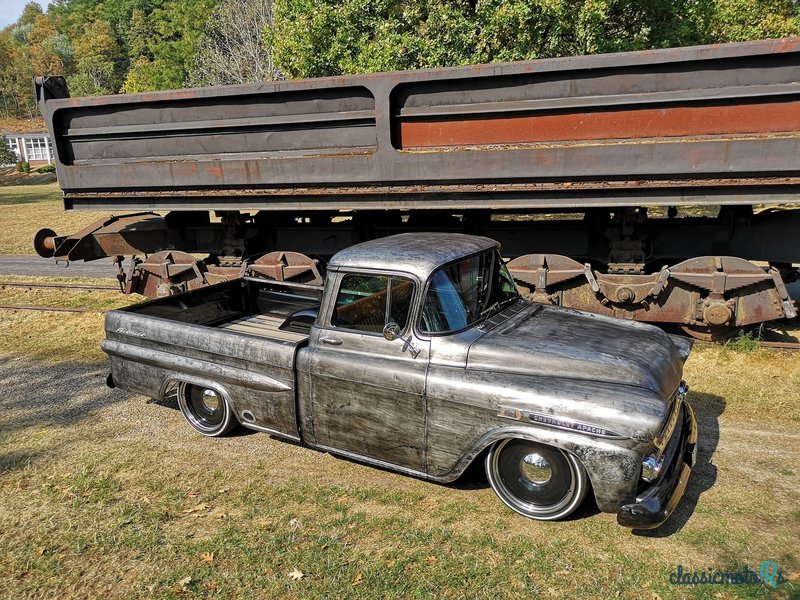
(10, 10)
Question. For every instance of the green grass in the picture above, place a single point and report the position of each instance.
(120, 499)
(56, 335)
(28, 208)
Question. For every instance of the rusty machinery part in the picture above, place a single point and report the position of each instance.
(704, 293)
(703, 125)
(288, 266)
(58, 286)
(48, 308)
(44, 242)
(164, 274)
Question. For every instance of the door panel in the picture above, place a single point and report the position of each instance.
(367, 392)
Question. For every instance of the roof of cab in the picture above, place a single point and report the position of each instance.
(415, 253)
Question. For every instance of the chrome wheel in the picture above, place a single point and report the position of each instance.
(538, 481)
(205, 409)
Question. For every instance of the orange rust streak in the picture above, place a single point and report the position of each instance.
(604, 125)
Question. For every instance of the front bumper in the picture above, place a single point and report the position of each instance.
(655, 503)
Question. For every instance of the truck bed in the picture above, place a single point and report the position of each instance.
(240, 337)
(274, 310)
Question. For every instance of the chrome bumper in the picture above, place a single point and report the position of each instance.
(656, 503)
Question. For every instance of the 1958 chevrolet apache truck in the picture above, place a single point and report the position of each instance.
(419, 355)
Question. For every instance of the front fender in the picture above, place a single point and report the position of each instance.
(612, 469)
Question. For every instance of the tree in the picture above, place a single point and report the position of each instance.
(311, 38)
(7, 155)
(42, 41)
(741, 20)
(177, 27)
(232, 48)
(95, 53)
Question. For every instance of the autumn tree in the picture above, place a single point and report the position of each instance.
(95, 52)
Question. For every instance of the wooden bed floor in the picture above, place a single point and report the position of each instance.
(264, 326)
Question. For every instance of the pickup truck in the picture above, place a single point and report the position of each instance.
(419, 355)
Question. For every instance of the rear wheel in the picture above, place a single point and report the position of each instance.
(206, 410)
(535, 480)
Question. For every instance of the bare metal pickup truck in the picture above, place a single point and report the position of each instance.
(419, 356)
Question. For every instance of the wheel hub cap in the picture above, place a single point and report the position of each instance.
(535, 468)
(210, 400)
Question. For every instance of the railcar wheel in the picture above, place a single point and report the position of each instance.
(206, 410)
(535, 480)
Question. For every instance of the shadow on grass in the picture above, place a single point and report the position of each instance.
(39, 396)
(707, 410)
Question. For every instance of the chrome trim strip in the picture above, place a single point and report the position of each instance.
(554, 422)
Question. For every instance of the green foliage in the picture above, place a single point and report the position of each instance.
(97, 71)
(313, 38)
(165, 61)
(741, 20)
(7, 156)
(23, 167)
(46, 169)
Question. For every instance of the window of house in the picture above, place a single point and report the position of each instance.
(13, 145)
(37, 148)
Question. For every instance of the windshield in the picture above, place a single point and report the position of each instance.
(462, 293)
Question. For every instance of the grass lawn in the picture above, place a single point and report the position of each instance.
(107, 494)
(26, 209)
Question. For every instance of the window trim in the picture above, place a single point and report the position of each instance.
(419, 332)
(412, 312)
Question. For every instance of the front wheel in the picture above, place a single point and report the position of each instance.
(535, 480)
(206, 410)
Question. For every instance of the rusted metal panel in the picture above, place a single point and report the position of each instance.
(766, 117)
(648, 119)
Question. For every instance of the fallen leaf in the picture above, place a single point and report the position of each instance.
(40, 551)
(224, 490)
(198, 508)
(391, 563)
(323, 547)
(207, 557)
(151, 588)
(656, 596)
(294, 523)
(431, 560)
(144, 500)
(185, 582)
(194, 493)
(296, 575)
(357, 580)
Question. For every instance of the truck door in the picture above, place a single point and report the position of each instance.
(367, 393)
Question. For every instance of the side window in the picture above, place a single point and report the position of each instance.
(369, 302)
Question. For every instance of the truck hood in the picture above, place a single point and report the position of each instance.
(570, 344)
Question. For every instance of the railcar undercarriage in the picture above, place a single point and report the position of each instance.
(671, 267)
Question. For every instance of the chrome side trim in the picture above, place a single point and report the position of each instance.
(274, 432)
(563, 423)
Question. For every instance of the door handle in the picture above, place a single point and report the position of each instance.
(330, 341)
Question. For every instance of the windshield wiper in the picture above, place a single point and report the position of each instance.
(495, 306)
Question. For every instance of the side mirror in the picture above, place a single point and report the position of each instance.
(391, 331)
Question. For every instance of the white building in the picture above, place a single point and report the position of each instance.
(33, 148)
